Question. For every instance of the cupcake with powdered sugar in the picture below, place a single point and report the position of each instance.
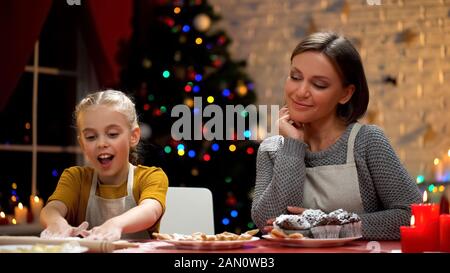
(351, 225)
(293, 223)
(327, 227)
(317, 224)
(315, 217)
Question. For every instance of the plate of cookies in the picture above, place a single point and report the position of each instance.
(315, 228)
(202, 241)
(298, 240)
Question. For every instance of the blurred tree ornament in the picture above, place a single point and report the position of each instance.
(208, 70)
(231, 200)
(241, 89)
(180, 72)
(143, 90)
(194, 172)
(217, 62)
(169, 21)
(146, 63)
(202, 22)
(221, 40)
(189, 102)
(182, 39)
(191, 73)
(146, 131)
(156, 113)
(177, 56)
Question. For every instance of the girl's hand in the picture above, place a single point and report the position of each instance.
(108, 231)
(63, 230)
(288, 127)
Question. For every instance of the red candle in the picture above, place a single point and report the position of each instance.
(444, 224)
(427, 219)
(412, 238)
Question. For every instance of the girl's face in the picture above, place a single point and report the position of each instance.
(314, 88)
(105, 138)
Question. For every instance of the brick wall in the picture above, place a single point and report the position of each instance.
(405, 41)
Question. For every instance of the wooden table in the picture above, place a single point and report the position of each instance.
(261, 256)
(31, 229)
(264, 246)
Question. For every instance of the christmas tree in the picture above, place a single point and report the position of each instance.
(176, 57)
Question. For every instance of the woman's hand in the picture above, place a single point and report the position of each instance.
(294, 210)
(288, 127)
(108, 231)
(63, 230)
(269, 225)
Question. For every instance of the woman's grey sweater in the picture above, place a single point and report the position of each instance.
(387, 190)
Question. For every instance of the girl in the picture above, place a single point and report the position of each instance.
(324, 159)
(112, 195)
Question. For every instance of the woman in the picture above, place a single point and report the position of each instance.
(323, 158)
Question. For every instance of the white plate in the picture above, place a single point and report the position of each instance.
(210, 245)
(309, 242)
(41, 248)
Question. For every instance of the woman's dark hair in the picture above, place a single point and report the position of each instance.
(347, 62)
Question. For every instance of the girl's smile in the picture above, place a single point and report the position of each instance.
(105, 160)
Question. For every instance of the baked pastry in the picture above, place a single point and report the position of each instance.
(351, 224)
(278, 233)
(293, 223)
(318, 224)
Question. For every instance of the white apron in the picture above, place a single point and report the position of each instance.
(335, 186)
(100, 209)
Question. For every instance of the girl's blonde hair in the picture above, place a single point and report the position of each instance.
(120, 102)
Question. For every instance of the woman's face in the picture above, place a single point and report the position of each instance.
(314, 88)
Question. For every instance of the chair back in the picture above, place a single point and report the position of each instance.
(188, 210)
